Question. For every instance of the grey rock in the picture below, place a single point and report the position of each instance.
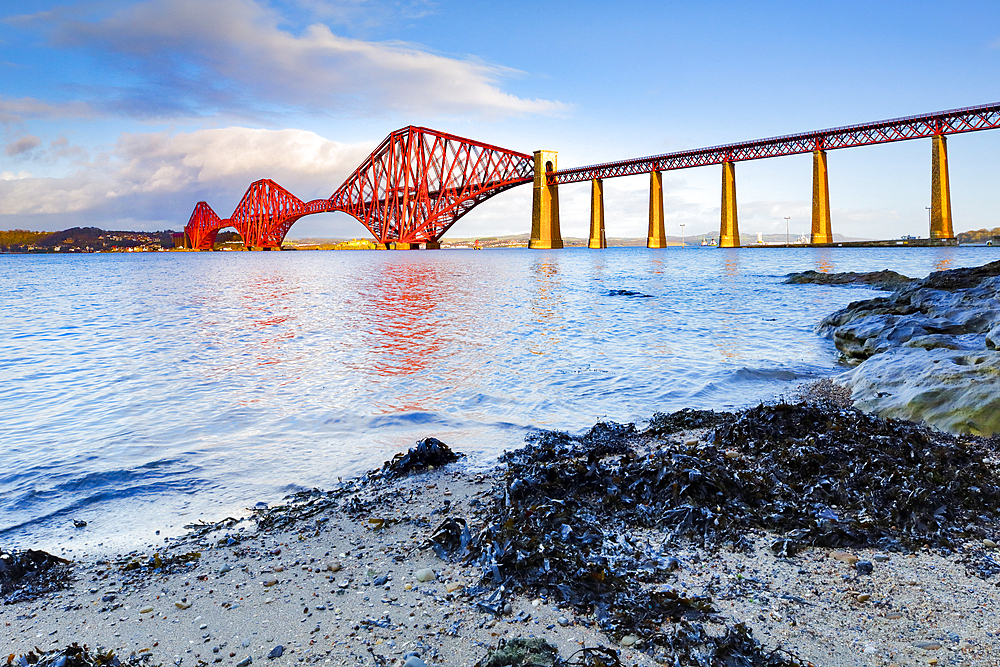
(563, 621)
(929, 352)
(864, 567)
(414, 661)
(276, 652)
(244, 662)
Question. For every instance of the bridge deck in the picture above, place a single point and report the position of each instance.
(956, 121)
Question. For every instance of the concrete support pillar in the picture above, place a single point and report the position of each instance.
(432, 245)
(656, 237)
(597, 238)
(545, 205)
(398, 245)
(822, 231)
(729, 230)
(941, 227)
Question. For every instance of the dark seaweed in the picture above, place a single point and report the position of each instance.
(563, 517)
(27, 575)
(429, 452)
(665, 424)
(75, 655)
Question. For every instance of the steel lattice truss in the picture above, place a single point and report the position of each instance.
(203, 226)
(419, 182)
(970, 119)
(411, 189)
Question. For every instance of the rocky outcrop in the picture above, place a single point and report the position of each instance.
(883, 279)
(929, 352)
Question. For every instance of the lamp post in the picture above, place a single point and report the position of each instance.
(928, 221)
(786, 230)
(682, 234)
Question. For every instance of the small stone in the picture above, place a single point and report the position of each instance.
(894, 616)
(844, 557)
(279, 568)
(864, 597)
(380, 580)
(730, 454)
(244, 662)
(203, 626)
(864, 567)
(880, 558)
(333, 565)
(989, 544)
(407, 586)
(276, 652)
(414, 661)
(425, 575)
(928, 646)
(629, 640)
(269, 581)
(563, 621)
(452, 586)
(180, 604)
(226, 567)
(145, 610)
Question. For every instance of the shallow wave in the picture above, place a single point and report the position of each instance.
(144, 390)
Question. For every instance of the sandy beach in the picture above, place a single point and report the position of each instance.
(349, 577)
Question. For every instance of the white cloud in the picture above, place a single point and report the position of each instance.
(231, 55)
(165, 175)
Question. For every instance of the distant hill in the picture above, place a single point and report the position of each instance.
(979, 235)
(83, 239)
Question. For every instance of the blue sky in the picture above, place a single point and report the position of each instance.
(123, 115)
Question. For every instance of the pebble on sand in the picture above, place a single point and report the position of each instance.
(269, 581)
(928, 646)
(276, 652)
(845, 557)
(426, 574)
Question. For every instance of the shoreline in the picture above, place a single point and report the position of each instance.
(337, 576)
(786, 534)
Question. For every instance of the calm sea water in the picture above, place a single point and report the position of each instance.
(141, 392)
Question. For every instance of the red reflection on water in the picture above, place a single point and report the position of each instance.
(402, 328)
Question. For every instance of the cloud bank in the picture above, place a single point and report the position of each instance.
(160, 177)
(192, 58)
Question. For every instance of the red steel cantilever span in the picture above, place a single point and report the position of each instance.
(419, 182)
(410, 190)
(956, 121)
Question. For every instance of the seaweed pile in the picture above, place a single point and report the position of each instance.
(75, 655)
(536, 652)
(590, 519)
(29, 574)
(429, 453)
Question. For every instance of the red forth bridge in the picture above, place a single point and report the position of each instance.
(419, 182)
